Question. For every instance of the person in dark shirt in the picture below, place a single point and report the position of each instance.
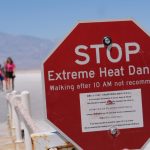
(1, 78)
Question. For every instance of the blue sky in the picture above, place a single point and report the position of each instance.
(53, 19)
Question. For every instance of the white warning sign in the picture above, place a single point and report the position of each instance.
(102, 110)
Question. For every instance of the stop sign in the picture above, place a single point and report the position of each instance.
(97, 86)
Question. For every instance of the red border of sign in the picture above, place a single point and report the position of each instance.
(52, 51)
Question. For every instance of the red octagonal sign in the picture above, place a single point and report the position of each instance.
(97, 86)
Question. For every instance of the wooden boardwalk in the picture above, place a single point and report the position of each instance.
(7, 139)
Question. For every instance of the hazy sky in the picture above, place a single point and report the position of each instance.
(53, 19)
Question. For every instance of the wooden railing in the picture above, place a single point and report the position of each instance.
(25, 128)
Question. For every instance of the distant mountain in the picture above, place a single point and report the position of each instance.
(27, 52)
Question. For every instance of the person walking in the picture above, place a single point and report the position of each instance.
(1, 78)
(10, 73)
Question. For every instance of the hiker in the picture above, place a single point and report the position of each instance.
(9, 73)
(1, 78)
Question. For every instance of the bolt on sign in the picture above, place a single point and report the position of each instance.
(97, 86)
